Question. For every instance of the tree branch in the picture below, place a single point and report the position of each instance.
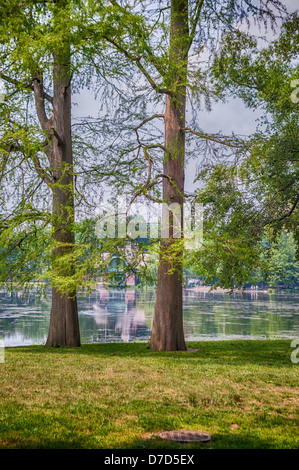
(208, 137)
(59, 139)
(288, 214)
(40, 171)
(38, 89)
(194, 25)
(141, 124)
(145, 187)
(151, 57)
(27, 86)
(148, 119)
(156, 87)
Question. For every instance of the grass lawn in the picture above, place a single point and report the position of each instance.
(244, 393)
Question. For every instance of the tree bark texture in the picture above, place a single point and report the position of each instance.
(167, 330)
(64, 321)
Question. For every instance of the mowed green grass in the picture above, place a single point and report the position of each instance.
(244, 393)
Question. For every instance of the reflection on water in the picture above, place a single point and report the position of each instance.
(255, 315)
(126, 315)
(116, 315)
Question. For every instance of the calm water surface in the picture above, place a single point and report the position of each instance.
(126, 315)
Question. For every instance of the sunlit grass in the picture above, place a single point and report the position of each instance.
(244, 393)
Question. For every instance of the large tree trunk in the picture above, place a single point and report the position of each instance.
(64, 323)
(167, 331)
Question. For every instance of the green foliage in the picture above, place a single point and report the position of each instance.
(260, 76)
(263, 78)
(255, 195)
(230, 249)
(23, 257)
(284, 267)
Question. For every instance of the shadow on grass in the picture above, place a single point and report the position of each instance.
(151, 442)
(267, 352)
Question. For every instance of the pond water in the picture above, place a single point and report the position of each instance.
(126, 315)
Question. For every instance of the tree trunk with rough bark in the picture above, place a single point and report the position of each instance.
(64, 322)
(167, 331)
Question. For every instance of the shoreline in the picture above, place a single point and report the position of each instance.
(209, 289)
